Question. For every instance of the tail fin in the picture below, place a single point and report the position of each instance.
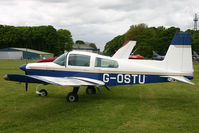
(179, 54)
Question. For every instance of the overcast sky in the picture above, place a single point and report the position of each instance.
(98, 21)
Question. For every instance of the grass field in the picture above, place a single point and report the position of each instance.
(151, 108)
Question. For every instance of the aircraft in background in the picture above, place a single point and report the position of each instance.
(156, 56)
(46, 60)
(133, 56)
(195, 56)
(78, 69)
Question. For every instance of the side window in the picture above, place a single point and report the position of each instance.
(79, 60)
(105, 63)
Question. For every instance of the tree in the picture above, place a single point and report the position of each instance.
(43, 38)
(65, 40)
(147, 38)
(113, 45)
(93, 45)
(194, 39)
(144, 38)
(80, 42)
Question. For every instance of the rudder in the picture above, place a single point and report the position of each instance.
(179, 55)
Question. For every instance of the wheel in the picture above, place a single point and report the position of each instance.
(72, 97)
(43, 93)
(171, 80)
(90, 90)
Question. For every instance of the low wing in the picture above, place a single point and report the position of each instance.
(125, 51)
(63, 81)
(180, 78)
(68, 81)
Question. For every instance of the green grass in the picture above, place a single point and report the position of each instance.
(151, 108)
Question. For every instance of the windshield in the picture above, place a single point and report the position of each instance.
(61, 60)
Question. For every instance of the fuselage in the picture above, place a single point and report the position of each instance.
(111, 71)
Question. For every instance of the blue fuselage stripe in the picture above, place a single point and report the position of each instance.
(110, 79)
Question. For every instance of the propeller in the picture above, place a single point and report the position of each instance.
(23, 67)
(26, 84)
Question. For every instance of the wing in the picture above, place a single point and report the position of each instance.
(68, 81)
(63, 81)
(180, 78)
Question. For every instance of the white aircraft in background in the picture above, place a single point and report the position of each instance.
(77, 69)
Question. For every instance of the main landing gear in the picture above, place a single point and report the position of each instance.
(72, 96)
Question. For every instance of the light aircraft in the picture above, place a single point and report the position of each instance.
(156, 56)
(77, 69)
(46, 60)
(133, 56)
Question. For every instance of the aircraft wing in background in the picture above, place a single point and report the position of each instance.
(125, 50)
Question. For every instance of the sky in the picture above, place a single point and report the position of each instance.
(98, 21)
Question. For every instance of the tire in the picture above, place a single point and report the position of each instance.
(72, 97)
(90, 90)
(43, 93)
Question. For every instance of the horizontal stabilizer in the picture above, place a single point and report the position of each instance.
(180, 78)
(125, 51)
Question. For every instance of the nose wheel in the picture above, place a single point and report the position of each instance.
(41, 92)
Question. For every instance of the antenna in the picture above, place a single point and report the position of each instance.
(195, 22)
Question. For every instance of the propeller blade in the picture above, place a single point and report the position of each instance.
(26, 86)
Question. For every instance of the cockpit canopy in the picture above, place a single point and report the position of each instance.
(82, 60)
